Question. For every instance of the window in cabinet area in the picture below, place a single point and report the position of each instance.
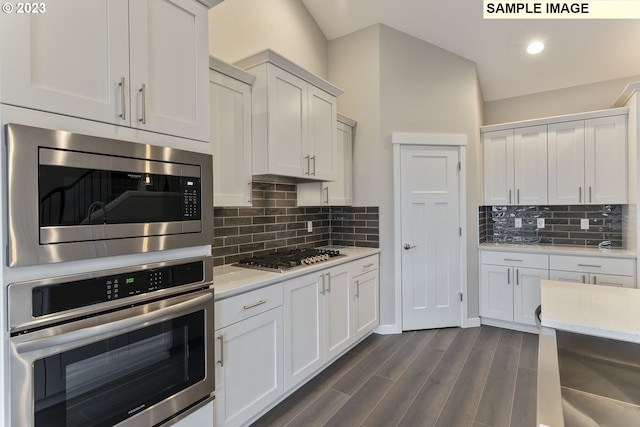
(112, 61)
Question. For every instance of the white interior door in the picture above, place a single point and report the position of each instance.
(430, 216)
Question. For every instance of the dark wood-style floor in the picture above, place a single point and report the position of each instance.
(476, 377)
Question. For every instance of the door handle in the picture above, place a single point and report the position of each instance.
(408, 246)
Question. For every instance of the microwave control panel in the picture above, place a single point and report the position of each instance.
(191, 197)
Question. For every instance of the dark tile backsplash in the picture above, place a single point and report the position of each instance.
(562, 225)
(275, 223)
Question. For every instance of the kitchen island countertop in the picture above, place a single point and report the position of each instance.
(604, 311)
(229, 280)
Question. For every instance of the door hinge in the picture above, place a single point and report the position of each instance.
(460, 294)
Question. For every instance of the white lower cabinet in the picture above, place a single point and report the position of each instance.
(366, 303)
(248, 355)
(593, 270)
(317, 321)
(510, 285)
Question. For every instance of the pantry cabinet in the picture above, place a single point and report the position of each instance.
(317, 321)
(338, 192)
(112, 61)
(515, 166)
(510, 285)
(294, 116)
(248, 354)
(588, 161)
(230, 97)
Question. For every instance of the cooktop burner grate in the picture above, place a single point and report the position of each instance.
(285, 260)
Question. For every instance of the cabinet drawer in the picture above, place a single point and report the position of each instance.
(617, 266)
(363, 265)
(240, 307)
(515, 259)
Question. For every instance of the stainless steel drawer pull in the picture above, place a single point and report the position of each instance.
(314, 165)
(517, 277)
(579, 194)
(513, 259)
(255, 304)
(357, 289)
(368, 265)
(308, 172)
(328, 282)
(509, 196)
(518, 197)
(590, 265)
(590, 195)
(508, 276)
(221, 359)
(123, 95)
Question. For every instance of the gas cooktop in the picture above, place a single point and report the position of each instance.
(285, 260)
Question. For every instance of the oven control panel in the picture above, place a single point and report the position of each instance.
(64, 296)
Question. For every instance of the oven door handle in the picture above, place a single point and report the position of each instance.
(121, 326)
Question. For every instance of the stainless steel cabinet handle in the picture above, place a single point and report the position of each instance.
(590, 265)
(368, 265)
(357, 289)
(584, 278)
(314, 165)
(255, 304)
(328, 282)
(590, 195)
(112, 328)
(508, 276)
(308, 172)
(322, 292)
(517, 277)
(326, 193)
(518, 197)
(594, 280)
(408, 246)
(143, 91)
(221, 359)
(250, 192)
(509, 196)
(123, 104)
(579, 194)
(513, 259)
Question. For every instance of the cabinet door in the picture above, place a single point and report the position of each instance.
(526, 295)
(613, 280)
(498, 174)
(248, 367)
(339, 192)
(496, 292)
(287, 127)
(530, 165)
(338, 310)
(569, 276)
(606, 160)
(366, 305)
(566, 163)
(303, 327)
(322, 141)
(230, 140)
(69, 60)
(169, 58)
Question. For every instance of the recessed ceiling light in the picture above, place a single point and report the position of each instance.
(535, 47)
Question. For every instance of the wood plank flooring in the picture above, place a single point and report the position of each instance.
(476, 377)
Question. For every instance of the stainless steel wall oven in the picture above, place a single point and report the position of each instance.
(75, 196)
(131, 346)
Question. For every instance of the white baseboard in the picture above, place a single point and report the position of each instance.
(388, 329)
(510, 325)
(473, 322)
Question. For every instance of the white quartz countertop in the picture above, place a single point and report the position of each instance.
(229, 280)
(603, 311)
(559, 250)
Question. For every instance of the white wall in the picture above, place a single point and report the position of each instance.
(395, 82)
(577, 99)
(241, 28)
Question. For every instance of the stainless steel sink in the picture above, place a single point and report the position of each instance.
(598, 381)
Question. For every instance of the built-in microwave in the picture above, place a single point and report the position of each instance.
(73, 196)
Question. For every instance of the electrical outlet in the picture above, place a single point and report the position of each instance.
(584, 224)
(540, 223)
(309, 226)
(518, 223)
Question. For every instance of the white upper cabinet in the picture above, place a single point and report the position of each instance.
(515, 166)
(338, 192)
(230, 96)
(91, 60)
(294, 116)
(588, 161)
